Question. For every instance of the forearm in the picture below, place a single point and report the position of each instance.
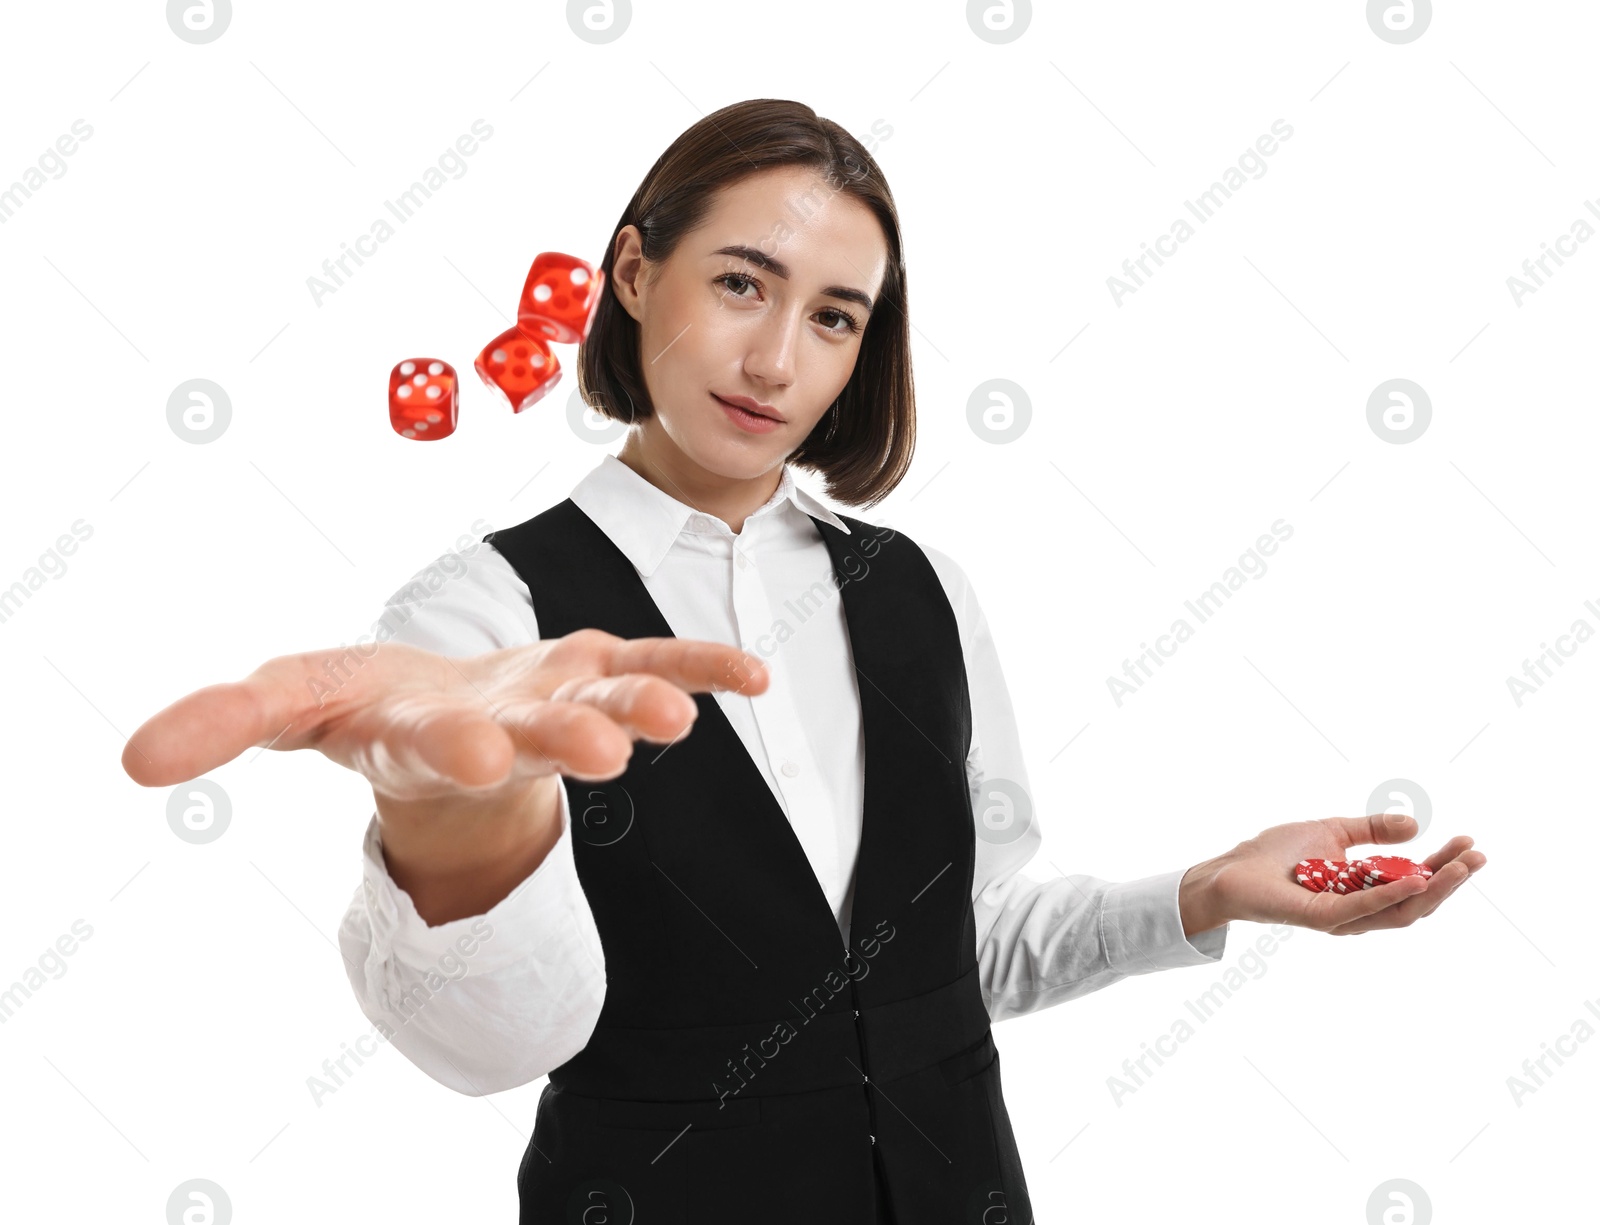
(457, 857)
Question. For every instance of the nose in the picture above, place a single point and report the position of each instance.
(771, 354)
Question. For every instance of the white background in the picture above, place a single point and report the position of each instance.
(1229, 392)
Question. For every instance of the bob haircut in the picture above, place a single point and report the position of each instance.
(862, 445)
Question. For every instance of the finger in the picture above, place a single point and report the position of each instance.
(286, 703)
(549, 736)
(1448, 852)
(408, 741)
(1334, 910)
(1440, 886)
(698, 667)
(211, 726)
(1376, 828)
(637, 706)
(579, 740)
(460, 743)
(419, 744)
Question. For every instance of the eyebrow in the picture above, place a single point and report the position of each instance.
(780, 269)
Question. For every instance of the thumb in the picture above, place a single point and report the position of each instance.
(1378, 827)
(1389, 827)
(197, 733)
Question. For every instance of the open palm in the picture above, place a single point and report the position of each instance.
(421, 726)
(1255, 880)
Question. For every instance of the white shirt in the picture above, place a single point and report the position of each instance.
(527, 998)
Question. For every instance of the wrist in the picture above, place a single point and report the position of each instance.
(1200, 903)
(456, 857)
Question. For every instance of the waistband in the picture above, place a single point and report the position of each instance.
(793, 1054)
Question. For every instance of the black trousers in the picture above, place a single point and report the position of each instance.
(885, 1217)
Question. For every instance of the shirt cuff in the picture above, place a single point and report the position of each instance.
(1143, 928)
(501, 936)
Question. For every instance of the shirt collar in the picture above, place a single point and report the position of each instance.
(644, 521)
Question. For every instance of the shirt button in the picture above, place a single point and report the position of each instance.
(874, 1139)
(790, 769)
(742, 563)
(858, 1012)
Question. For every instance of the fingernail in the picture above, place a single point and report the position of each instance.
(1397, 818)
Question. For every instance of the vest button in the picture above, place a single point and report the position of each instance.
(858, 1012)
(874, 1139)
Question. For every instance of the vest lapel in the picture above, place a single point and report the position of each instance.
(638, 616)
(917, 838)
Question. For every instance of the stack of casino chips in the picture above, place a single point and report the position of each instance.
(1351, 875)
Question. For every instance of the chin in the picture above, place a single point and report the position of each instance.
(726, 453)
(741, 461)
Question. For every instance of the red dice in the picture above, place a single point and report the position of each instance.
(559, 298)
(423, 398)
(518, 367)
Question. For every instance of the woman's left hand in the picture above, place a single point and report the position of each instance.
(1256, 880)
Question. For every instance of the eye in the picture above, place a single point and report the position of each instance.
(851, 324)
(846, 325)
(733, 276)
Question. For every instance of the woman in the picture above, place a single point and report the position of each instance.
(758, 963)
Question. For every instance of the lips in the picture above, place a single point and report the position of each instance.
(750, 406)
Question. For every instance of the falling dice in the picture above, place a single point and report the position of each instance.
(423, 398)
(559, 298)
(518, 368)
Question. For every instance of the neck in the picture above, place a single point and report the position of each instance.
(658, 460)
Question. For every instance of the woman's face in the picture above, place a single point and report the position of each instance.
(766, 300)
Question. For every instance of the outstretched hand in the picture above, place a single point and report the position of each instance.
(1255, 880)
(424, 727)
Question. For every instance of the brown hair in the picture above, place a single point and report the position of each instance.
(862, 445)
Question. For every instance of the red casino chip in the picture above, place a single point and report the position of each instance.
(1392, 867)
(1314, 874)
(1345, 876)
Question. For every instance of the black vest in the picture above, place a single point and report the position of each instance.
(747, 1065)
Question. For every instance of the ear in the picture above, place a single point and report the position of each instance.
(628, 269)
